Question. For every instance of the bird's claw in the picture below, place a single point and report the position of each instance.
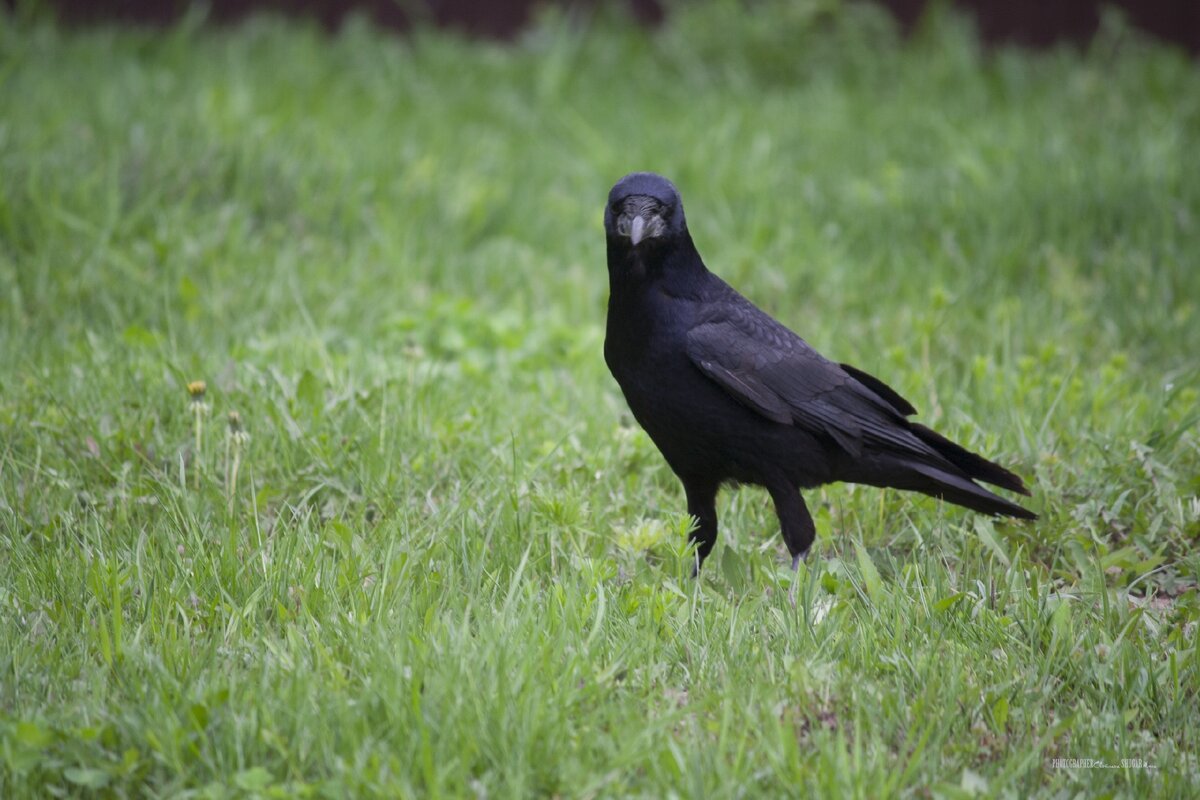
(796, 559)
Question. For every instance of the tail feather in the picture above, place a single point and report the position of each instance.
(975, 466)
(961, 491)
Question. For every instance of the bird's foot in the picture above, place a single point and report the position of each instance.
(796, 559)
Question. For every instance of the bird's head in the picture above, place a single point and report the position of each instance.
(644, 211)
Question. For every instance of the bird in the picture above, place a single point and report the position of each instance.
(729, 395)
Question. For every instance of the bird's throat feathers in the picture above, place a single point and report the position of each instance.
(672, 262)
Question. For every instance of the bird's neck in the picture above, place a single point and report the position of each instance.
(673, 267)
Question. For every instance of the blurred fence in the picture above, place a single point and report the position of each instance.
(1027, 22)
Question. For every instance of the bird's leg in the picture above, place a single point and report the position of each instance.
(702, 504)
(796, 525)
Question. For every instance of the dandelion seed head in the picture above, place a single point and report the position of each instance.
(236, 432)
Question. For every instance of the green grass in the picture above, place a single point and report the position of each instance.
(451, 565)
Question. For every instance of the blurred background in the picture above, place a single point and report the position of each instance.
(1030, 22)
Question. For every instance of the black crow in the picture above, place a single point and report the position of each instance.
(729, 394)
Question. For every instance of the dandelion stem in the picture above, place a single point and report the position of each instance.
(199, 443)
(196, 391)
(234, 440)
(233, 474)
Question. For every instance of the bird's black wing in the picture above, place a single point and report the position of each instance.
(773, 371)
(880, 388)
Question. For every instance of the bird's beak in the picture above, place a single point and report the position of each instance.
(637, 230)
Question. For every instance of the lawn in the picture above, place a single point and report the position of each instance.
(434, 556)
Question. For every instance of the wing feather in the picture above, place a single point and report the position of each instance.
(773, 371)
